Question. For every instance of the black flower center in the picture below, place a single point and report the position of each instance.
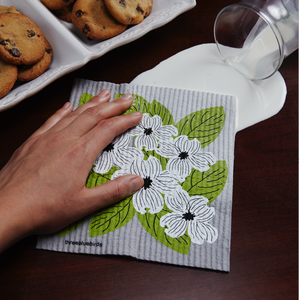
(183, 155)
(109, 147)
(148, 131)
(147, 182)
(188, 216)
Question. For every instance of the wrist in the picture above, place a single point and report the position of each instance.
(14, 223)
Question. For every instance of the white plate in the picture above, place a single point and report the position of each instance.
(201, 68)
(72, 50)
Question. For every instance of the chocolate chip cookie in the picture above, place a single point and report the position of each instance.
(21, 40)
(8, 77)
(57, 4)
(27, 73)
(129, 12)
(93, 19)
(5, 9)
(64, 13)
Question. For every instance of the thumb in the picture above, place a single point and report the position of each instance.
(110, 192)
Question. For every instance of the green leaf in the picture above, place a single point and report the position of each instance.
(151, 223)
(85, 98)
(154, 108)
(204, 125)
(95, 179)
(208, 183)
(139, 104)
(71, 227)
(112, 217)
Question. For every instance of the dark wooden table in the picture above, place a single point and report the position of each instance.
(264, 223)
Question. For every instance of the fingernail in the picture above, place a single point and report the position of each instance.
(137, 113)
(127, 97)
(103, 93)
(66, 105)
(136, 184)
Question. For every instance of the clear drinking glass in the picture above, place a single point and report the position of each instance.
(254, 36)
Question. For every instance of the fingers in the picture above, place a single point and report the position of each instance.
(91, 116)
(64, 116)
(110, 192)
(54, 119)
(101, 97)
(106, 130)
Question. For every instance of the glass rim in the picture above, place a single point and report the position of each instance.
(268, 21)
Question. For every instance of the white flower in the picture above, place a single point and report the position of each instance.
(156, 182)
(184, 155)
(149, 130)
(117, 153)
(192, 213)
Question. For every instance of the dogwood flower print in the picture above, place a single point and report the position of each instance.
(184, 155)
(149, 130)
(190, 213)
(117, 153)
(156, 182)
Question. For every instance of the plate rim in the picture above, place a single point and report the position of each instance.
(154, 21)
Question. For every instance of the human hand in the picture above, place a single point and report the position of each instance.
(42, 187)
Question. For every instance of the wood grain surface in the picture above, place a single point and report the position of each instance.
(264, 244)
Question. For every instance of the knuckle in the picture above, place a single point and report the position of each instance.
(81, 110)
(78, 149)
(119, 190)
(56, 140)
(23, 150)
(74, 114)
(107, 124)
(59, 113)
(92, 110)
(31, 144)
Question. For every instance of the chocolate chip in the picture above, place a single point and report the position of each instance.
(31, 33)
(86, 29)
(48, 50)
(15, 52)
(3, 43)
(79, 13)
(2, 25)
(122, 2)
(66, 0)
(139, 9)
